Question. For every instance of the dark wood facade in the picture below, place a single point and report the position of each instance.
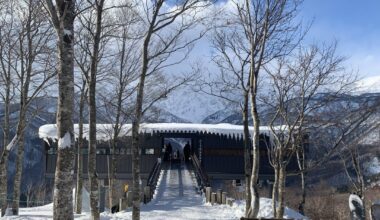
(221, 156)
(151, 150)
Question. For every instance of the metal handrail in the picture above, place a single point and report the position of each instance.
(202, 177)
(153, 175)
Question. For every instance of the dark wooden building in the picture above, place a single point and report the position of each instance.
(219, 148)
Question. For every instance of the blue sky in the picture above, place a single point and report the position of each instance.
(354, 24)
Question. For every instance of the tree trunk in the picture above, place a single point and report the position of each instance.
(25, 77)
(78, 196)
(4, 182)
(136, 151)
(111, 177)
(63, 181)
(92, 176)
(5, 153)
(19, 168)
(275, 190)
(110, 181)
(117, 126)
(255, 202)
(136, 127)
(301, 166)
(281, 191)
(135, 171)
(301, 206)
(116, 131)
(360, 178)
(247, 156)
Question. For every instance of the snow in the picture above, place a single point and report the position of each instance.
(178, 103)
(368, 85)
(373, 166)
(67, 32)
(65, 141)
(266, 210)
(104, 131)
(354, 198)
(12, 143)
(85, 200)
(176, 197)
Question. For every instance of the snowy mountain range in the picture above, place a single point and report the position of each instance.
(368, 85)
(190, 105)
(198, 107)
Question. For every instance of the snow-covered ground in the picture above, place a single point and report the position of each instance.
(175, 198)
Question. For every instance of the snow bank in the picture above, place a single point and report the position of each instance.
(266, 210)
(46, 211)
(85, 200)
(105, 131)
(170, 203)
(354, 199)
(65, 141)
(373, 167)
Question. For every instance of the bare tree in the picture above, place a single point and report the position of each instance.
(62, 15)
(35, 194)
(120, 77)
(79, 183)
(232, 84)
(92, 48)
(91, 83)
(352, 156)
(28, 60)
(269, 32)
(7, 42)
(295, 85)
(162, 38)
(33, 69)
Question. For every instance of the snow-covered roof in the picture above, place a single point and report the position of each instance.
(105, 131)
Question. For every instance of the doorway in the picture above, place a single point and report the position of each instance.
(176, 146)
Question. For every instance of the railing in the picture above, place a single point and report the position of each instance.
(200, 174)
(152, 181)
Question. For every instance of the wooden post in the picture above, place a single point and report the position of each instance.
(219, 196)
(270, 189)
(102, 198)
(208, 194)
(224, 198)
(213, 198)
(375, 210)
(122, 204)
(230, 201)
(129, 199)
(146, 194)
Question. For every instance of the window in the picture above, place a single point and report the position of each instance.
(123, 150)
(149, 151)
(84, 150)
(52, 150)
(117, 151)
(101, 151)
(129, 151)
